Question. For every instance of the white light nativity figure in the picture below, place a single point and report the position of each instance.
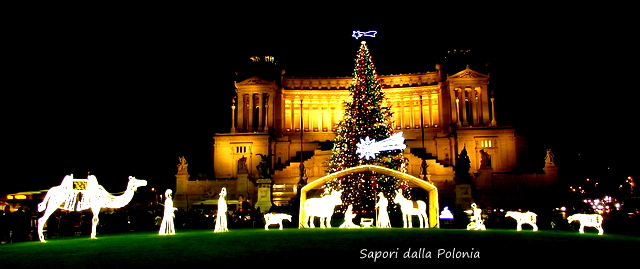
(321, 207)
(348, 218)
(275, 218)
(81, 194)
(588, 220)
(409, 210)
(167, 227)
(221, 216)
(476, 222)
(524, 218)
(382, 221)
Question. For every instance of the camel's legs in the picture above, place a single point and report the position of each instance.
(45, 216)
(94, 221)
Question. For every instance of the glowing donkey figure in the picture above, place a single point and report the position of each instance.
(81, 194)
(323, 208)
(408, 210)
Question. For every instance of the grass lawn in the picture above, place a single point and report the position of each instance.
(319, 248)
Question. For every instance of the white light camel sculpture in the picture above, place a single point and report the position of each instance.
(81, 194)
(409, 210)
(321, 207)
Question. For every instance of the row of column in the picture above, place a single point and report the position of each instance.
(316, 117)
(472, 107)
(253, 113)
(416, 111)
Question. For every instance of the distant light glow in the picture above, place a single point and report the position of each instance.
(446, 213)
(359, 34)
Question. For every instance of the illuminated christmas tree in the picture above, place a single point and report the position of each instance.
(366, 115)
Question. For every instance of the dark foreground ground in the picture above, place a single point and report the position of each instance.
(335, 248)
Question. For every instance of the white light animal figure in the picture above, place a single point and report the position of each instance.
(359, 34)
(221, 216)
(368, 148)
(588, 220)
(409, 210)
(476, 222)
(275, 218)
(383, 216)
(348, 219)
(167, 226)
(524, 218)
(323, 208)
(81, 194)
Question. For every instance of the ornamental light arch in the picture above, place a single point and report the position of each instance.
(433, 207)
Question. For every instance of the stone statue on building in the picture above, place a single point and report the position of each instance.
(485, 159)
(264, 167)
(548, 160)
(182, 166)
(242, 165)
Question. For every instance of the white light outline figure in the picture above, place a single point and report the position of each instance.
(523, 218)
(382, 220)
(221, 215)
(167, 226)
(348, 218)
(275, 218)
(408, 211)
(81, 194)
(323, 208)
(587, 220)
(476, 222)
(367, 148)
(358, 34)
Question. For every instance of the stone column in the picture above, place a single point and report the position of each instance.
(463, 106)
(260, 116)
(474, 112)
(493, 113)
(233, 118)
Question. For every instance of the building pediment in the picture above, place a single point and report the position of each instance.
(468, 73)
(254, 81)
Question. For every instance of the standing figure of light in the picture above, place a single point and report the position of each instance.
(382, 220)
(221, 216)
(167, 226)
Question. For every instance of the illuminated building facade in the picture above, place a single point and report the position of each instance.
(293, 119)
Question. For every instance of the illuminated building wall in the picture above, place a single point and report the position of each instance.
(439, 114)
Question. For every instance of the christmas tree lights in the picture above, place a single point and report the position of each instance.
(367, 118)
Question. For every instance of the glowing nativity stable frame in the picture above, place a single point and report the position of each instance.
(82, 194)
(524, 218)
(432, 191)
(275, 218)
(588, 220)
(167, 226)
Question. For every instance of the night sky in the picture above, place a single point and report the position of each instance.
(127, 97)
